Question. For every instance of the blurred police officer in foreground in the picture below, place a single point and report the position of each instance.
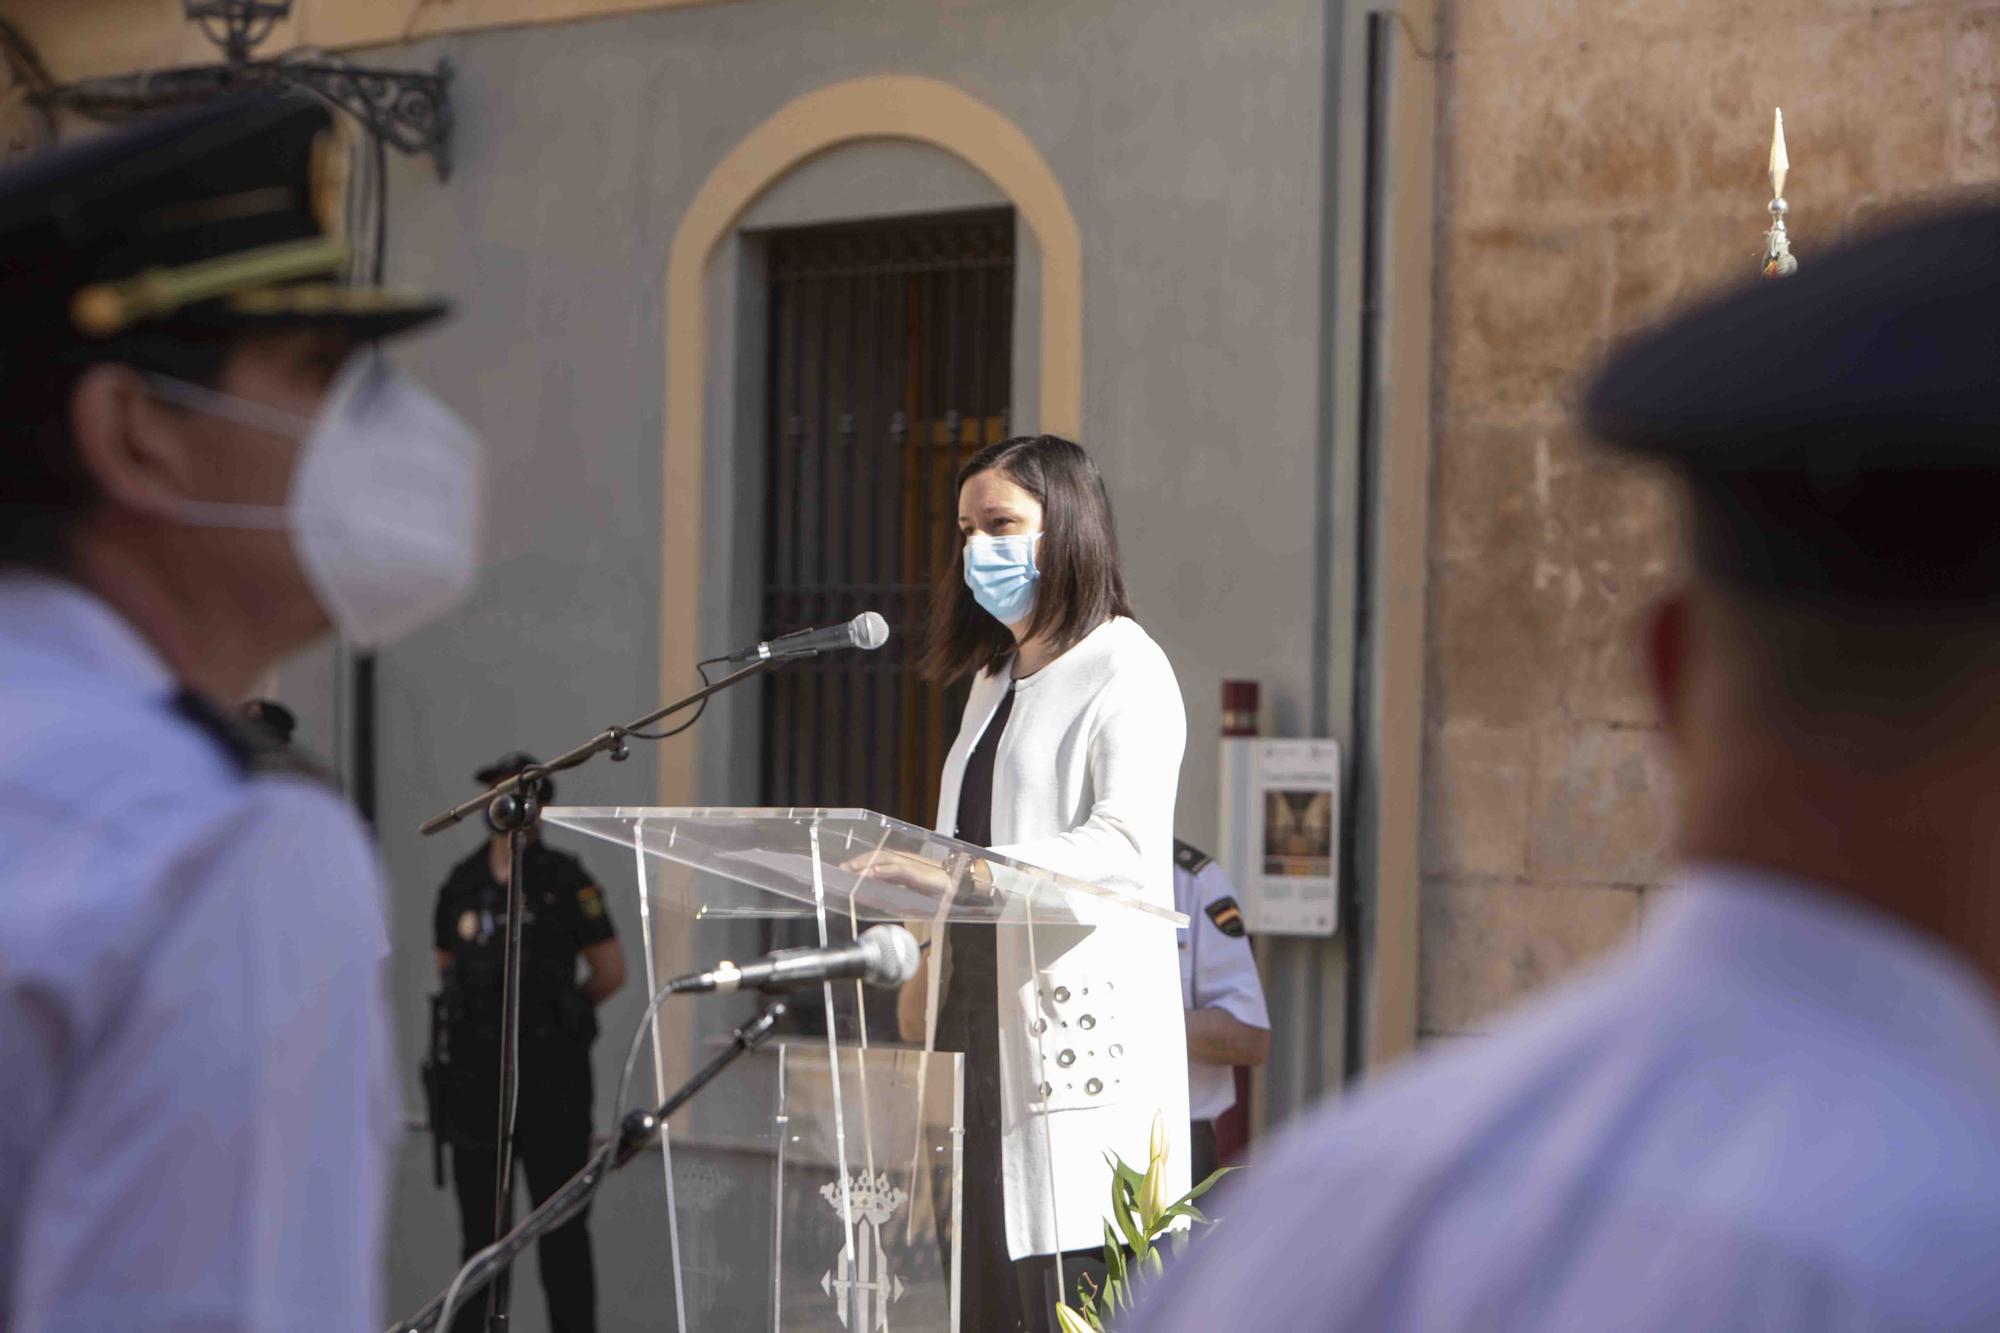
(566, 922)
(1780, 1109)
(202, 470)
(1227, 1025)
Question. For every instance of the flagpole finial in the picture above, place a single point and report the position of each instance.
(1778, 260)
(1780, 164)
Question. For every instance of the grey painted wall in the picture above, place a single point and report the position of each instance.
(1188, 139)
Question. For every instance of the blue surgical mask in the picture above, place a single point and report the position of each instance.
(1002, 575)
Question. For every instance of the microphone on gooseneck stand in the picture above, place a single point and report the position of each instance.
(867, 630)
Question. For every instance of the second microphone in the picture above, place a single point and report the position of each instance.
(883, 956)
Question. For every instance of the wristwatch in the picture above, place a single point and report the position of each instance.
(965, 867)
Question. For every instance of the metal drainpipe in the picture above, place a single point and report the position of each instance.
(1360, 792)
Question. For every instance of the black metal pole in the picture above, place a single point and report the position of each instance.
(524, 812)
(363, 733)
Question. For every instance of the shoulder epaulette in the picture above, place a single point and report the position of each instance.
(1189, 857)
(253, 753)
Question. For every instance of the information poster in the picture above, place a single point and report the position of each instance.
(1281, 833)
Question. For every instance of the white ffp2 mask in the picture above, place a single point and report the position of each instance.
(387, 498)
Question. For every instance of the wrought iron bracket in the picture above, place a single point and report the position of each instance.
(408, 109)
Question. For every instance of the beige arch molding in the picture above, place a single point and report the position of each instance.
(885, 107)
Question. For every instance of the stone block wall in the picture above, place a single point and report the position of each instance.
(1600, 162)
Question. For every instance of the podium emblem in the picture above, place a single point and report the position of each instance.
(861, 1282)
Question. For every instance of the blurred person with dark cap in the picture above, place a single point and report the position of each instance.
(203, 469)
(566, 924)
(1780, 1108)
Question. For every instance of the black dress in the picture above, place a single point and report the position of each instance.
(996, 1295)
(988, 1295)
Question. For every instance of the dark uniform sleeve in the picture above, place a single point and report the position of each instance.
(584, 903)
(444, 931)
(590, 906)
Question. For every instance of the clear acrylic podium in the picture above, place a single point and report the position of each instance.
(817, 1184)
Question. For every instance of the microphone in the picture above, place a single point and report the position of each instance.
(883, 956)
(867, 630)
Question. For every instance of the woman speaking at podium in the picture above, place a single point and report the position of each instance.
(1067, 757)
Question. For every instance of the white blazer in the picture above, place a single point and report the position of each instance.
(1092, 1043)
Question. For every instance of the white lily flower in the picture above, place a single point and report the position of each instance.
(1153, 1192)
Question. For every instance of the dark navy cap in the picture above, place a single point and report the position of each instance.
(506, 766)
(230, 215)
(1839, 429)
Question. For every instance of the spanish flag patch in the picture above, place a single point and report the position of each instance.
(1228, 918)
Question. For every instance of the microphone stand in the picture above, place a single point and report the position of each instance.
(634, 1132)
(515, 810)
(611, 740)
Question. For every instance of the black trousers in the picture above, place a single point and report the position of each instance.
(1203, 1159)
(551, 1144)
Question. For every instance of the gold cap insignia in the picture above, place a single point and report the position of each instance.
(330, 171)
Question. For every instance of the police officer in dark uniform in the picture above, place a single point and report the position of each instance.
(566, 922)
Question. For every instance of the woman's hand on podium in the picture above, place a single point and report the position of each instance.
(903, 870)
(922, 873)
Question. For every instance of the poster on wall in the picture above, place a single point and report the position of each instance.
(1281, 833)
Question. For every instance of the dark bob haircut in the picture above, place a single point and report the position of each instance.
(1081, 584)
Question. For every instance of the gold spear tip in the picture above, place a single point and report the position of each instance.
(1780, 164)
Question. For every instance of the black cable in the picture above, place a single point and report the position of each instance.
(701, 669)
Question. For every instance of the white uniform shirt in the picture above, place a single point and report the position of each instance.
(1092, 1045)
(197, 1113)
(1218, 971)
(1777, 1112)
